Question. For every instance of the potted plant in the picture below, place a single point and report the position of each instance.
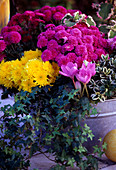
(58, 72)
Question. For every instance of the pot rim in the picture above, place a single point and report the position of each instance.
(102, 115)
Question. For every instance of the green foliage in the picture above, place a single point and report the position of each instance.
(49, 118)
(103, 84)
(106, 17)
(70, 20)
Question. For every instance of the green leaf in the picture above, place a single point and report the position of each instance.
(111, 34)
(90, 21)
(105, 10)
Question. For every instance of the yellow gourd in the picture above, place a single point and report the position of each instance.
(4, 13)
(110, 139)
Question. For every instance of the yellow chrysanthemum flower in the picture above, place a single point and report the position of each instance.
(28, 72)
(32, 54)
(27, 85)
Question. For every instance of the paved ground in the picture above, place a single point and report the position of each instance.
(40, 162)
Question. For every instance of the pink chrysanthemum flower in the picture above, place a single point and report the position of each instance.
(79, 60)
(54, 53)
(14, 37)
(95, 41)
(88, 39)
(67, 47)
(92, 57)
(63, 60)
(76, 32)
(58, 16)
(59, 27)
(62, 34)
(49, 34)
(2, 45)
(42, 42)
(72, 40)
(52, 44)
(71, 56)
(80, 49)
(99, 52)
(89, 47)
(103, 42)
(46, 55)
(29, 14)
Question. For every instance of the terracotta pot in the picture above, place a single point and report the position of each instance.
(102, 123)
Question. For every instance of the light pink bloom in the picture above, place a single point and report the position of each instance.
(69, 70)
(83, 76)
(86, 72)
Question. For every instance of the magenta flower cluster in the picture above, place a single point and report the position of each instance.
(28, 23)
(24, 28)
(72, 44)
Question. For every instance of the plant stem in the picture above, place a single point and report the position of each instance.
(85, 87)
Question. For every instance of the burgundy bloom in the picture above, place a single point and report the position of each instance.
(27, 38)
(46, 55)
(80, 49)
(14, 37)
(2, 56)
(61, 9)
(48, 15)
(2, 45)
(15, 28)
(53, 10)
(49, 26)
(52, 44)
(6, 39)
(58, 16)
(4, 30)
(46, 7)
(38, 14)
(42, 42)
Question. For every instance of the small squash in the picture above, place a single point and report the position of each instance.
(110, 140)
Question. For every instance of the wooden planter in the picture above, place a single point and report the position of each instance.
(102, 123)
